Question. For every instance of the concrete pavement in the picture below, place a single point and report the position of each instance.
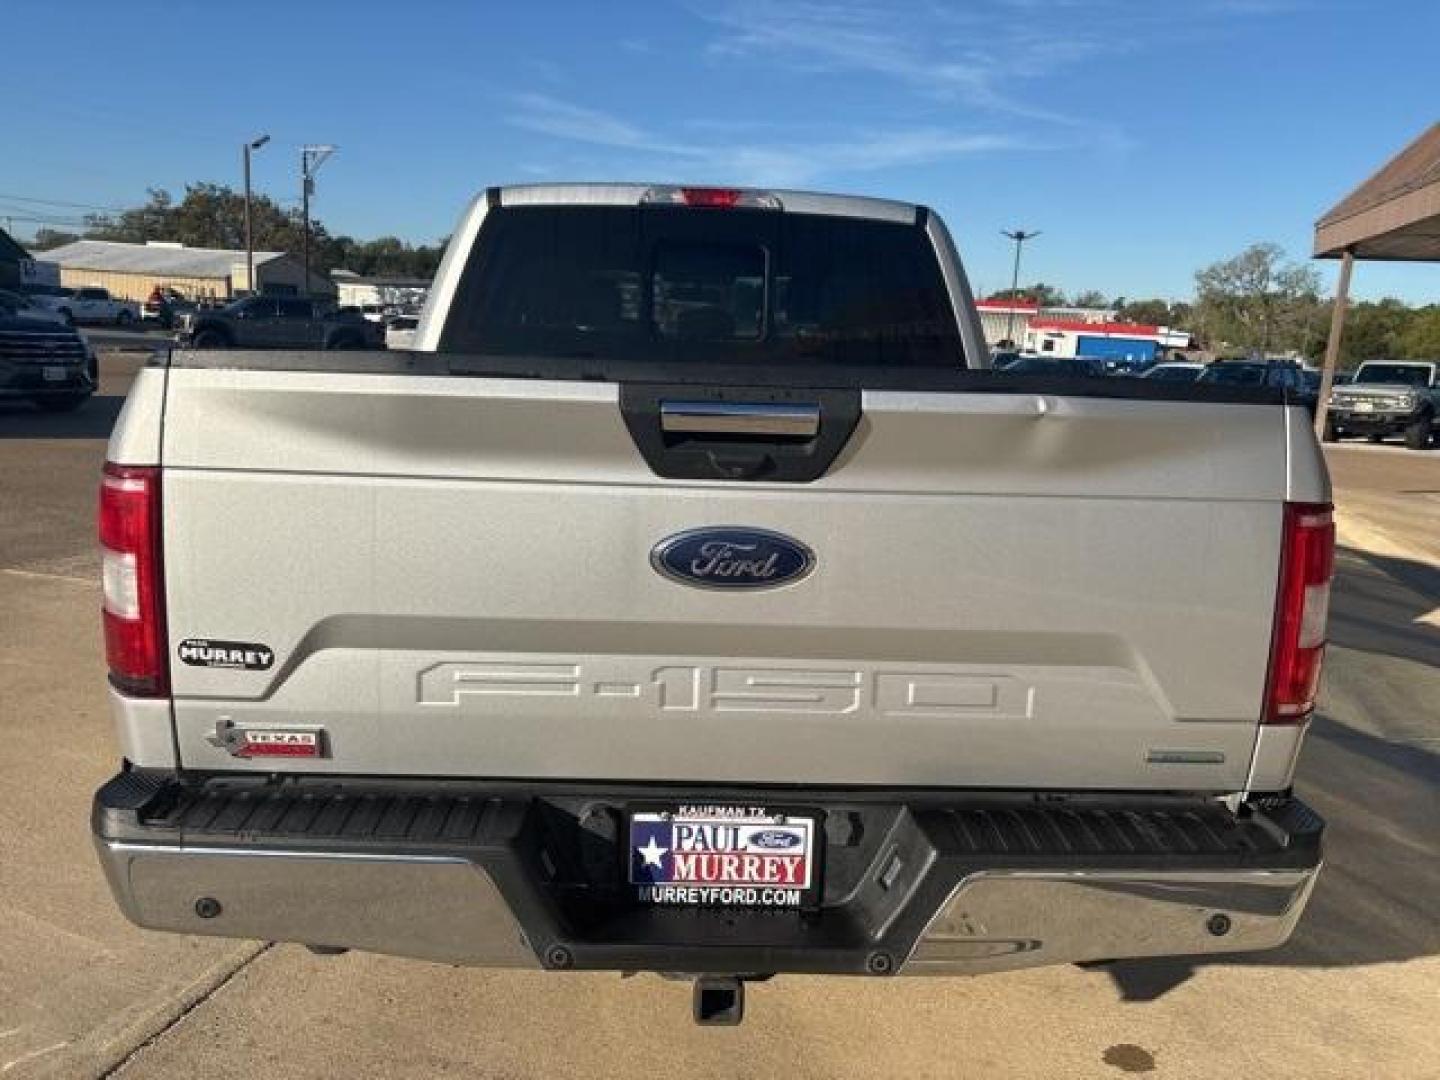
(1390, 496)
(79, 986)
(82, 993)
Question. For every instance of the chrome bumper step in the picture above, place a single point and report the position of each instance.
(507, 874)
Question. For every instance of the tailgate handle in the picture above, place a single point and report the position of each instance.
(739, 418)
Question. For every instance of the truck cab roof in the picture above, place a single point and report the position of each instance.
(609, 194)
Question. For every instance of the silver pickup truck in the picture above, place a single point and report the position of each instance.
(693, 600)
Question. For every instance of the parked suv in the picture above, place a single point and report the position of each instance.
(276, 322)
(1387, 398)
(1274, 374)
(1056, 365)
(44, 362)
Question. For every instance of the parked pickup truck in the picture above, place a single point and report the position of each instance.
(693, 600)
(275, 322)
(90, 304)
(1391, 397)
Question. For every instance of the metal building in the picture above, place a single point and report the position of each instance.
(386, 291)
(132, 271)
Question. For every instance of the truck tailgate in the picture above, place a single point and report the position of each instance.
(453, 577)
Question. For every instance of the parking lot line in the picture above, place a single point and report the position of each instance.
(40, 575)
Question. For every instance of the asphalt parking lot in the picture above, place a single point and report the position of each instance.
(82, 993)
(112, 339)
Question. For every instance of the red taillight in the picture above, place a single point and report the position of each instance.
(132, 586)
(1302, 605)
(712, 198)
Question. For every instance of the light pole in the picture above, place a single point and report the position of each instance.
(311, 158)
(250, 148)
(1019, 236)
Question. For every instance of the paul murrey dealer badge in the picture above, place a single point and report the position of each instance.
(730, 856)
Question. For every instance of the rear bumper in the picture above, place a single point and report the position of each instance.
(499, 876)
(28, 380)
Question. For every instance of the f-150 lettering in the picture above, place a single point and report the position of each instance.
(757, 689)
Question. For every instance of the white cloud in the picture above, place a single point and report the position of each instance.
(965, 54)
(551, 116)
(992, 56)
(727, 154)
(984, 63)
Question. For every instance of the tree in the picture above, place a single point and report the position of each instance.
(1091, 298)
(387, 256)
(1373, 330)
(1258, 300)
(1044, 295)
(1421, 339)
(47, 238)
(1154, 312)
(213, 216)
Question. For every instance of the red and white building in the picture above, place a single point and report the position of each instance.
(1067, 338)
(1066, 332)
(1007, 319)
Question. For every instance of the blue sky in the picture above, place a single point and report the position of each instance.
(1145, 138)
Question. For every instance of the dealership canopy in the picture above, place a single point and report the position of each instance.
(1394, 216)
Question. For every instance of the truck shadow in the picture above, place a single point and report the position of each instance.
(93, 420)
(1378, 897)
(1378, 602)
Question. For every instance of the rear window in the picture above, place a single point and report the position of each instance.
(675, 284)
(1173, 374)
(1234, 374)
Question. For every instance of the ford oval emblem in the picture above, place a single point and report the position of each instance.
(732, 558)
(775, 839)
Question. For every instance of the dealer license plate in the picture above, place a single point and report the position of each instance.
(54, 374)
(724, 856)
(1364, 406)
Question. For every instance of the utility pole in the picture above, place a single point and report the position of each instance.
(311, 158)
(249, 148)
(1019, 236)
